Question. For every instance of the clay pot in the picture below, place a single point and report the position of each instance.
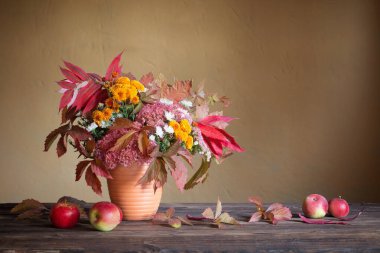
(137, 201)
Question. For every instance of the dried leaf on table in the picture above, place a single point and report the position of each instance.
(274, 213)
(167, 218)
(29, 209)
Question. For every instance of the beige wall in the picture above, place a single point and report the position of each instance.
(303, 77)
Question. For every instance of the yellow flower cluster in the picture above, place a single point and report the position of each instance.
(125, 89)
(182, 132)
(104, 115)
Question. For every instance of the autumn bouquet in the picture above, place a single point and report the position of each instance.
(118, 119)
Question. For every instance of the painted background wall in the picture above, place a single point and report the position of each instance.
(303, 76)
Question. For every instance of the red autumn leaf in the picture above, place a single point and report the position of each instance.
(62, 145)
(99, 170)
(175, 222)
(255, 217)
(178, 91)
(114, 67)
(143, 142)
(76, 70)
(277, 212)
(81, 167)
(90, 146)
(320, 221)
(54, 134)
(121, 123)
(123, 141)
(147, 78)
(79, 133)
(179, 173)
(68, 114)
(130, 76)
(93, 181)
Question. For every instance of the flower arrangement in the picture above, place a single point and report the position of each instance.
(120, 120)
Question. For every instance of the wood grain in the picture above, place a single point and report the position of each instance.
(362, 235)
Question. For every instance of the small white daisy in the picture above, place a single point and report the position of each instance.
(159, 131)
(92, 126)
(152, 137)
(169, 115)
(168, 129)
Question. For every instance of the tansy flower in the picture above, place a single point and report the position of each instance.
(185, 126)
(181, 135)
(123, 80)
(189, 142)
(174, 124)
(132, 92)
(135, 100)
(109, 102)
(107, 112)
(119, 94)
(98, 117)
(137, 85)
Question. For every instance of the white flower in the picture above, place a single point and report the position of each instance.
(168, 129)
(92, 126)
(202, 94)
(169, 115)
(166, 101)
(186, 103)
(196, 143)
(152, 137)
(159, 131)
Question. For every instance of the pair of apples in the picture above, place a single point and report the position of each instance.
(103, 216)
(316, 206)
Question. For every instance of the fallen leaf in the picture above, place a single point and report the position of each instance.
(26, 205)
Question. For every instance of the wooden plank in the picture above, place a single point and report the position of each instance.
(363, 234)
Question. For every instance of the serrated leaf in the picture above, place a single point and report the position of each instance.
(81, 167)
(199, 176)
(173, 150)
(143, 142)
(93, 181)
(147, 78)
(174, 223)
(227, 219)
(123, 141)
(54, 134)
(99, 170)
(179, 173)
(121, 123)
(178, 91)
(208, 213)
(90, 146)
(62, 145)
(27, 204)
(79, 133)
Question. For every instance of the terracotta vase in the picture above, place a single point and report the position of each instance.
(137, 201)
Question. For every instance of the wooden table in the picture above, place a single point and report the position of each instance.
(362, 235)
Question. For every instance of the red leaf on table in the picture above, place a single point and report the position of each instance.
(277, 212)
(255, 217)
(320, 221)
(174, 222)
(93, 181)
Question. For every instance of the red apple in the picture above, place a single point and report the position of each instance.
(338, 207)
(105, 216)
(315, 206)
(64, 215)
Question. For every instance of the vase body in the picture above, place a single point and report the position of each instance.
(137, 201)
